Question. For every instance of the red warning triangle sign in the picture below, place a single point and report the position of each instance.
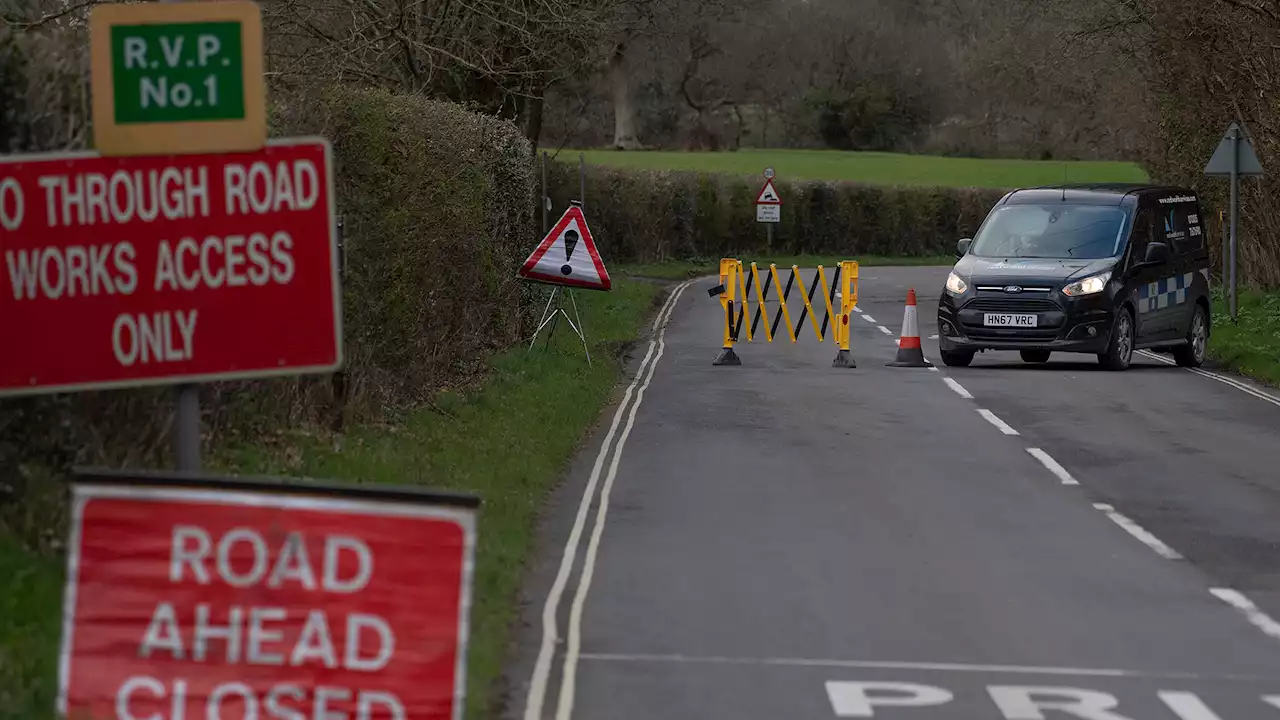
(768, 195)
(568, 256)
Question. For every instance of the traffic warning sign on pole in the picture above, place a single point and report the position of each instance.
(768, 195)
(768, 203)
(568, 256)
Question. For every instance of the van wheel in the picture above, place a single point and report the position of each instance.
(956, 359)
(1120, 349)
(1035, 356)
(1193, 353)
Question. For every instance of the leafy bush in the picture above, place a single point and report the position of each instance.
(436, 203)
(650, 216)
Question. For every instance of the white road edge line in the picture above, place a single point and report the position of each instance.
(1253, 613)
(885, 330)
(1139, 532)
(1052, 466)
(546, 652)
(568, 678)
(868, 318)
(1243, 387)
(890, 665)
(1000, 424)
(958, 388)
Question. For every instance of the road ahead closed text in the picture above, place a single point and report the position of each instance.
(127, 270)
(308, 609)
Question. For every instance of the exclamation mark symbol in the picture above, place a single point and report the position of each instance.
(570, 242)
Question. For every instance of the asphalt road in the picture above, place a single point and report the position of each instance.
(789, 540)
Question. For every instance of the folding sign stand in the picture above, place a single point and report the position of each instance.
(552, 317)
(566, 259)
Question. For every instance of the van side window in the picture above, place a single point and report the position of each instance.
(1188, 214)
(1175, 228)
(1139, 237)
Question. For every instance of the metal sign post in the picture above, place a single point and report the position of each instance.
(768, 207)
(1234, 157)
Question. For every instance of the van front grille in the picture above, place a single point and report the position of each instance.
(1012, 304)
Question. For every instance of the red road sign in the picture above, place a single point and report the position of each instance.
(145, 270)
(247, 602)
(555, 261)
(768, 194)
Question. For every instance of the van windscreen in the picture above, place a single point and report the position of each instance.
(1052, 231)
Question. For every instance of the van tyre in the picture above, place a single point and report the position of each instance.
(956, 358)
(1035, 356)
(1120, 348)
(1193, 353)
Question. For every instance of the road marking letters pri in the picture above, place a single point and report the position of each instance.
(870, 699)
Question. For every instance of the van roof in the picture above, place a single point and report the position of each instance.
(1091, 193)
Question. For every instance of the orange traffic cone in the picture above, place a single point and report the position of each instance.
(909, 352)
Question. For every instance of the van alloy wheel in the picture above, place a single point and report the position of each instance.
(1119, 351)
(1193, 353)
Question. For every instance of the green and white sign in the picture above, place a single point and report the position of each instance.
(178, 72)
(178, 77)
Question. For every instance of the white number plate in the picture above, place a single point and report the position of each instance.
(1007, 320)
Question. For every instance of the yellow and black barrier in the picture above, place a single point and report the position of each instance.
(738, 287)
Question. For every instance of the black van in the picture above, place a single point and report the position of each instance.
(1101, 269)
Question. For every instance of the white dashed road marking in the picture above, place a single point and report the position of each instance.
(1139, 532)
(868, 318)
(1001, 425)
(958, 388)
(1053, 466)
(885, 330)
(1253, 613)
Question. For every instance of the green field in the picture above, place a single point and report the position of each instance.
(872, 168)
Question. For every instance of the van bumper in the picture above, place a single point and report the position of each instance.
(1085, 329)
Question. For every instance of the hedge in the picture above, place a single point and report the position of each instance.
(436, 204)
(646, 216)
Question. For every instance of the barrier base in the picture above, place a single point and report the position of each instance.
(727, 357)
(910, 357)
(844, 360)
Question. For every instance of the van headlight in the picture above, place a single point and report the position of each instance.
(1088, 286)
(955, 285)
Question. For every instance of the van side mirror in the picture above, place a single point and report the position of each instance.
(1157, 253)
(962, 247)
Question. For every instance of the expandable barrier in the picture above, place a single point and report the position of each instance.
(739, 286)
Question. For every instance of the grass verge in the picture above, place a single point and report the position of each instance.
(1251, 345)
(685, 269)
(508, 442)
(872, 167)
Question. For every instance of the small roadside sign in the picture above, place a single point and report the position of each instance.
(768, 173)
(184, 77)
(120, 272)
(768, 213)
(194, 597)
(768, 195)
(568, 256)
(1234, 158)
(1224, 160)
(768, 203)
